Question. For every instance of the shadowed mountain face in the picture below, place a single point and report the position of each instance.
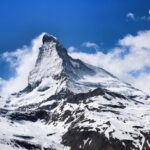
(70, 105)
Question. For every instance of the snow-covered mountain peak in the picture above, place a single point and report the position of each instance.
(73, 106)
(56, 72)
(48, 63)
(48, 38)
(54, 64)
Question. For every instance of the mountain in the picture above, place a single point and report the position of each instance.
(71, 105)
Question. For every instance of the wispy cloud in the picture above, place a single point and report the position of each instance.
(72, 49)
(22, 61)
(131, 16)
(132, 55)
(89, 44)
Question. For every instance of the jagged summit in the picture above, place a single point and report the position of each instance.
(49, 38)
(53, 63)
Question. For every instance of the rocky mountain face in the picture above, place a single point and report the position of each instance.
(70, 105)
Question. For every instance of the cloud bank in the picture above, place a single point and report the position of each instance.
(130, 60)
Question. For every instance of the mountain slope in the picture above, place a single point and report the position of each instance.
(72, 105)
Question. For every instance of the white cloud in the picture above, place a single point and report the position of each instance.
(130, 16)
(22, 61)
(71, 49)
(2, 82)
(132, 54)
(139, 41)
(89, 44)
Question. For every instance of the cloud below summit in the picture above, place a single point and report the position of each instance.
(129, 61)
(21, 61)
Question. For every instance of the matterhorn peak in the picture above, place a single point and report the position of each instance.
(54, 64)
(49, 62)
(49, 38)
(73, 106)
(56, 71)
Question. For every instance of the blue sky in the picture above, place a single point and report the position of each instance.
(74, 22)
